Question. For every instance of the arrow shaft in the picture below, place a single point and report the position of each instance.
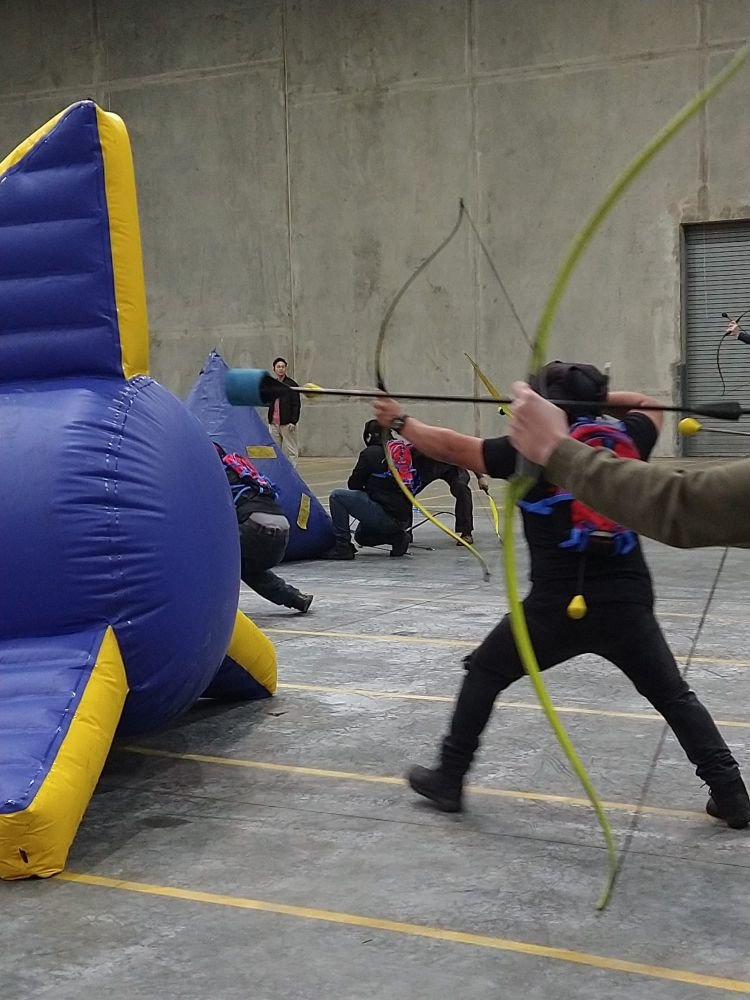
(720, 430)
(721, 411)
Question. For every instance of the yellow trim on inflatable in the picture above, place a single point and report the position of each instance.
(253, 651)
(36, 840)
(28, 144)
(260, 451)
(303, 515)
(125, 240)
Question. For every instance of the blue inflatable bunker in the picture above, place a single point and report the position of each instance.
(120, 550)
(241, 428)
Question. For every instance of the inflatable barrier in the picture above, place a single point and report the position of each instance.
(120, 550)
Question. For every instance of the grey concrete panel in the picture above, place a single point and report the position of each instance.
(368, 205)
(363, 45)
(211, 188)
(46, 46)
(728, 145)
(519, 33)
(727, 20)
(626, 289)
(145, 39)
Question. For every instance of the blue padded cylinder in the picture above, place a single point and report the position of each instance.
(250, 387)
(114, 509)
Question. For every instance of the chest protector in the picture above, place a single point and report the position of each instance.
(402, 458)
(591, 531)
(251, 483)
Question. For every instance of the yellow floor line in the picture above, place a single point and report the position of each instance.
(378, 779)
(523, 705)
(417, 930)
(426, 640)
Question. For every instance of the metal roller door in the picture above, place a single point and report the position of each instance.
(717, 280)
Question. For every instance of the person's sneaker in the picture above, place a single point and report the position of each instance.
(442, 790)
(401, 546)
(341, 550)
(731, 803)
(467, 538)
(304, 603)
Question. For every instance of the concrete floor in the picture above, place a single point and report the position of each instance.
(271, 850)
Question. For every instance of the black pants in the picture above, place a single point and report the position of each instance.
(458, 483)
(627, 635)
(263, 547)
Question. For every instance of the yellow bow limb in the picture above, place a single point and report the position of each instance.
(495, 515)
(489, 386)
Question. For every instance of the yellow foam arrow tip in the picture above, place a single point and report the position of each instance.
(689, 426)
(310, 395)
(577, 608)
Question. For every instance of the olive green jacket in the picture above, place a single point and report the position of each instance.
(687, 508)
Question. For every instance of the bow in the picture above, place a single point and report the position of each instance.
(463, 213)
(521, 483)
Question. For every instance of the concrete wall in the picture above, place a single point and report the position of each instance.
(296, 159)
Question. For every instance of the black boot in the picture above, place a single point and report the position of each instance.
(400, 545)
(301, 603)
(443, 789)
(731, 803)
(340, 551)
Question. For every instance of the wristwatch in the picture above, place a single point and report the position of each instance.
(397, 424)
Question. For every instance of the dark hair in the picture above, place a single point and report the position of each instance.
(219, 449)
(372, 433)
(563, 380)
(276, 361)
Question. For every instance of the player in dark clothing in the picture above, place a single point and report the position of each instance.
(375, 499)
(264, 532)
(384, 491)
(608, 568)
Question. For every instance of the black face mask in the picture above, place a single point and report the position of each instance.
(563, 380)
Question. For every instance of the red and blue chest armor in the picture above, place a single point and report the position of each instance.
(589, 530)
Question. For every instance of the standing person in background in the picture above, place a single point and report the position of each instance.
(283, 414)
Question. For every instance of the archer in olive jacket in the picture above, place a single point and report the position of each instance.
(687, 508)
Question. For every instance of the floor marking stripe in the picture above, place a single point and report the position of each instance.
(381, 779)
(526, 706)
(426, 640)
(416, 930)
